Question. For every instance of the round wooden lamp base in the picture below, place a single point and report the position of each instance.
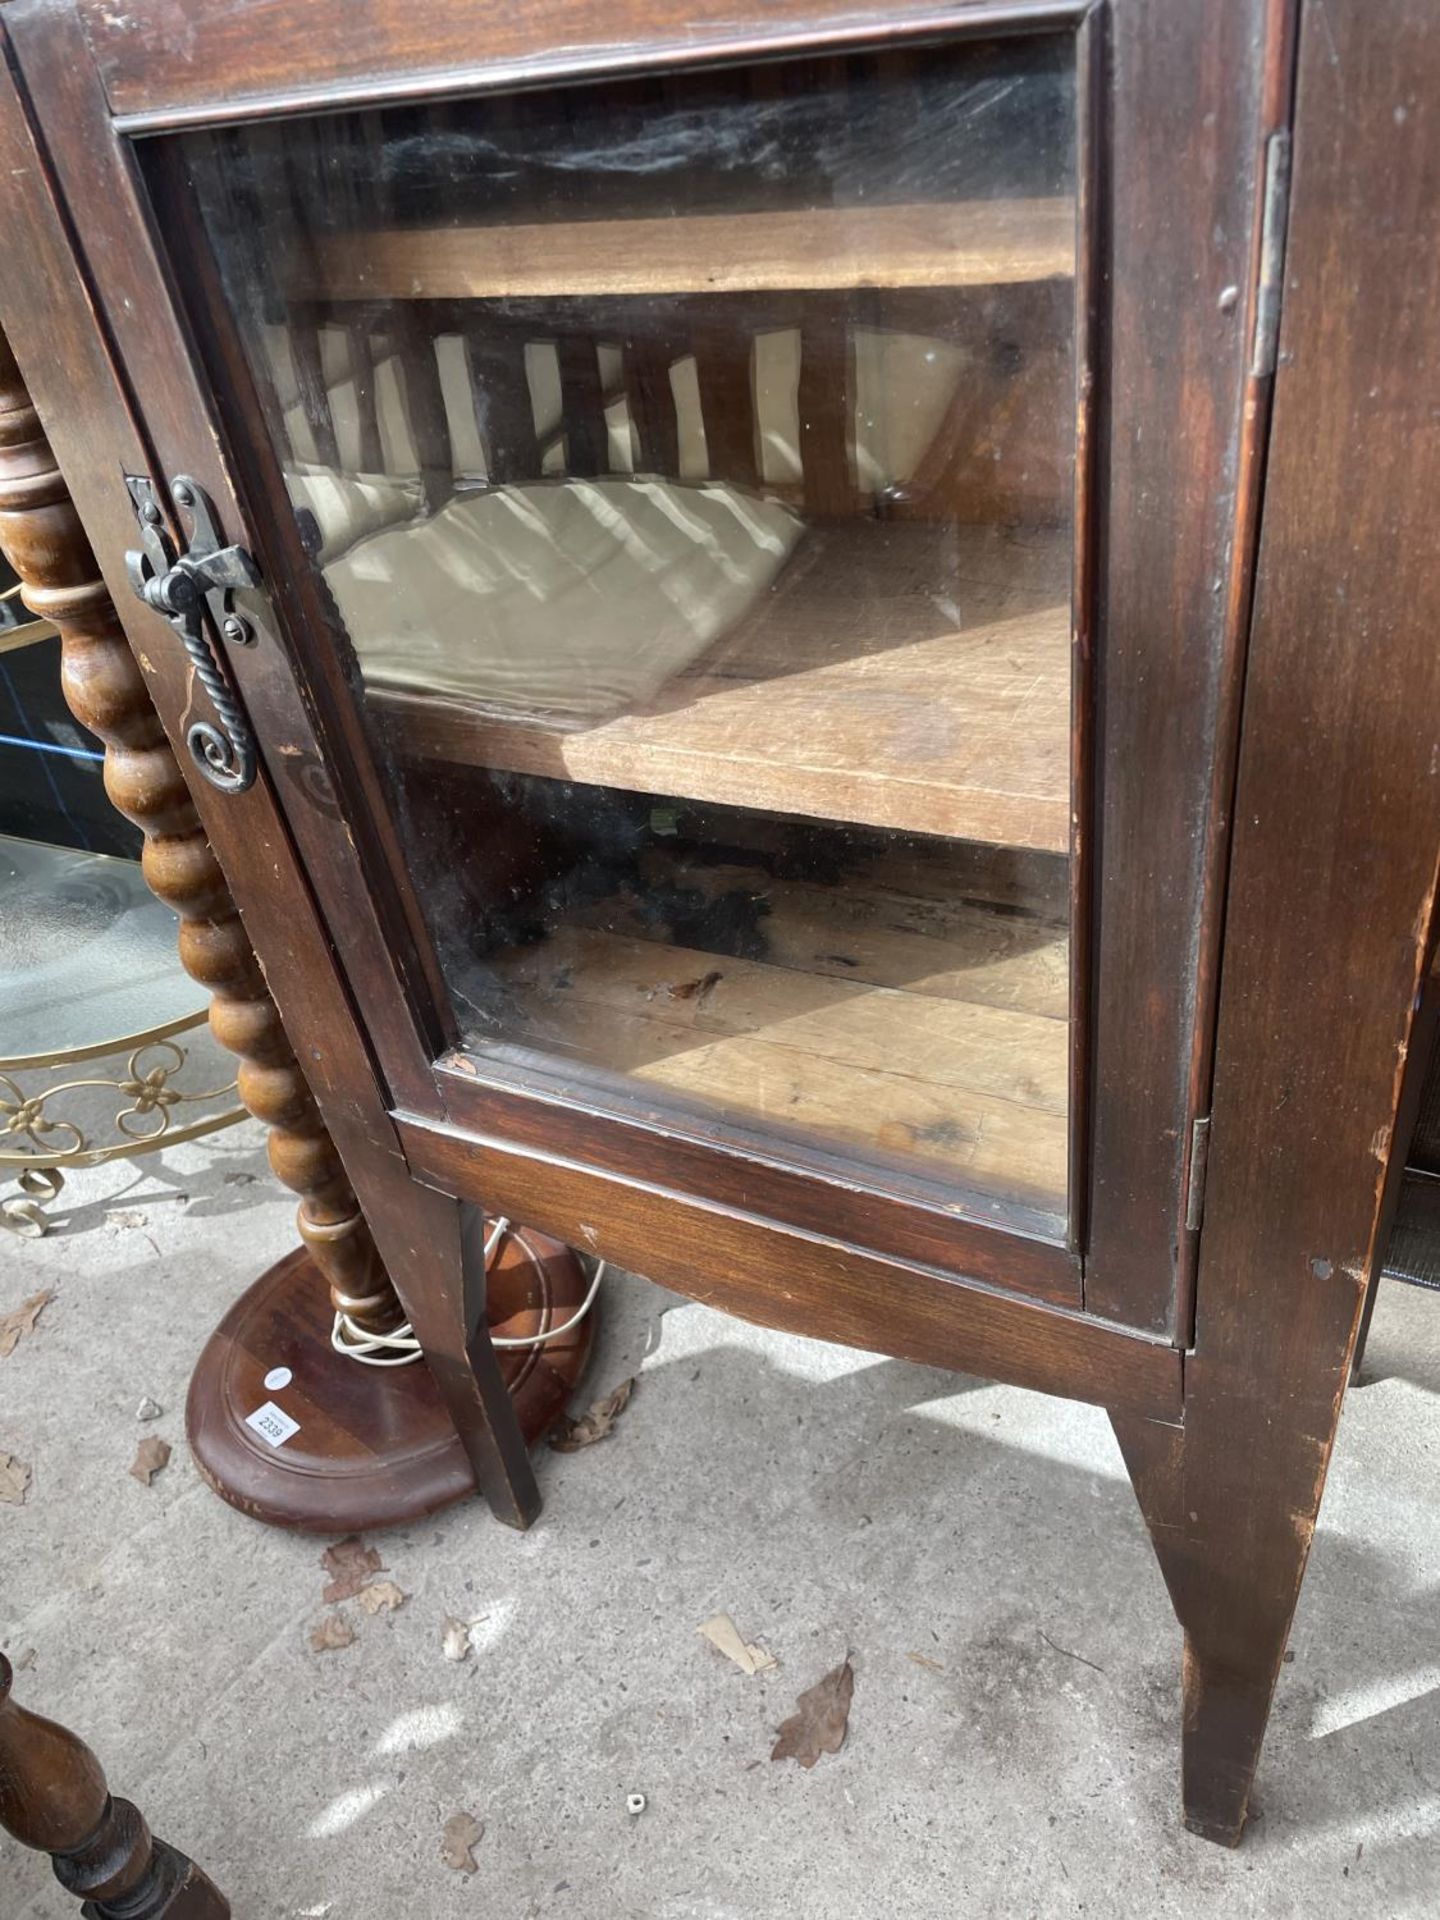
(297, 1435)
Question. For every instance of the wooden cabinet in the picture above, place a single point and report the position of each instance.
(756, 517)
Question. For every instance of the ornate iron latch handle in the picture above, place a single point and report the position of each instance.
(184, 587)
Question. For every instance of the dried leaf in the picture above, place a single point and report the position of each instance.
(819, 1722)
(14, 1480)
(924, 1660)
(150, 1456)
(381, 1596)
(20, 1321)
(455, 1638)
(594, 1424)
(148, 1409)
(349, 1564)
(721, 1632)
(462, 1832)
(333, 1632)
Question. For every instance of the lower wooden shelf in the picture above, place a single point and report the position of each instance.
(888, 1024)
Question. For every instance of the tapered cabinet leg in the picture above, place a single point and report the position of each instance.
(1231, 1522)
(448, 1312)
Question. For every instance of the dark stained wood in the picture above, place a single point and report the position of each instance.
(315, 395)
(51, 327)
(1332, 879)
(1275, 116)
(725, 369)
(375, 1446)
(362, 373)
(1323, 898)
(1184, 82)
(389, 958)
(586, 439)
(1156, 710)
(424, 405)
(970, 1235)
(826, 407)
(42, 538)
(53, 1797)
(996, 458)
(803, 1282)
(504, 414)
(320, 51)
(647, 362)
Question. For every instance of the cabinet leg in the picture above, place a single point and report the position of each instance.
(1231, 1514)
(434, 1249)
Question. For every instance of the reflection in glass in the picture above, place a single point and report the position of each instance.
(689, 462)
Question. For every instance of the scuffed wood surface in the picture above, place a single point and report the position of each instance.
(973, 243)
(905, 676)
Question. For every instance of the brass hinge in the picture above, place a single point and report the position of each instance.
(1274, 216)
(1195, 1187)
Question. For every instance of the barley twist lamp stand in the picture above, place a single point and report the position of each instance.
(284, 1424)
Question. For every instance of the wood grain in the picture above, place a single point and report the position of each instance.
(1183, 140)
(806, 1282)
(978, 243)
(884, 926)
(325, 50)
(53, 1797)
(1331, 903)
(976, 1090)
(42, 538)
(896, 675)
(51, 319)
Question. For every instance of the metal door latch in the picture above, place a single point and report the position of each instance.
(185, 587)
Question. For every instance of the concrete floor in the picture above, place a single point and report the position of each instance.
(826, 1499)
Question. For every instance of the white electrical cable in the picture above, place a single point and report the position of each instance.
(402, 1349)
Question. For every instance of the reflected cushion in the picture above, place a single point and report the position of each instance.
(568, 602)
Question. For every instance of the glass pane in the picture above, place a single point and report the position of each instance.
(87, 955)
(690, 464)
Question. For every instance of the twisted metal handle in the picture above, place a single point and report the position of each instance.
(182, 587)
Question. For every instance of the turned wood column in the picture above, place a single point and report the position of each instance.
(41, 536)
(53, 1797)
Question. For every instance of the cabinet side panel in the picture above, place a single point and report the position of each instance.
(1334, 869)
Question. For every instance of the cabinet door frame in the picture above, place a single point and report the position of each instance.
(1176, 144)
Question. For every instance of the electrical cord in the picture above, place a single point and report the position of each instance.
(402, 1349)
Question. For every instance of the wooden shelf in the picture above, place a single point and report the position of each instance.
(896, 675)
(940, 244)
(927, 1030)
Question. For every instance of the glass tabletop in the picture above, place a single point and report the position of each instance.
(87, 956)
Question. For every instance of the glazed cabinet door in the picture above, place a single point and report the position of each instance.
(753, 519)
